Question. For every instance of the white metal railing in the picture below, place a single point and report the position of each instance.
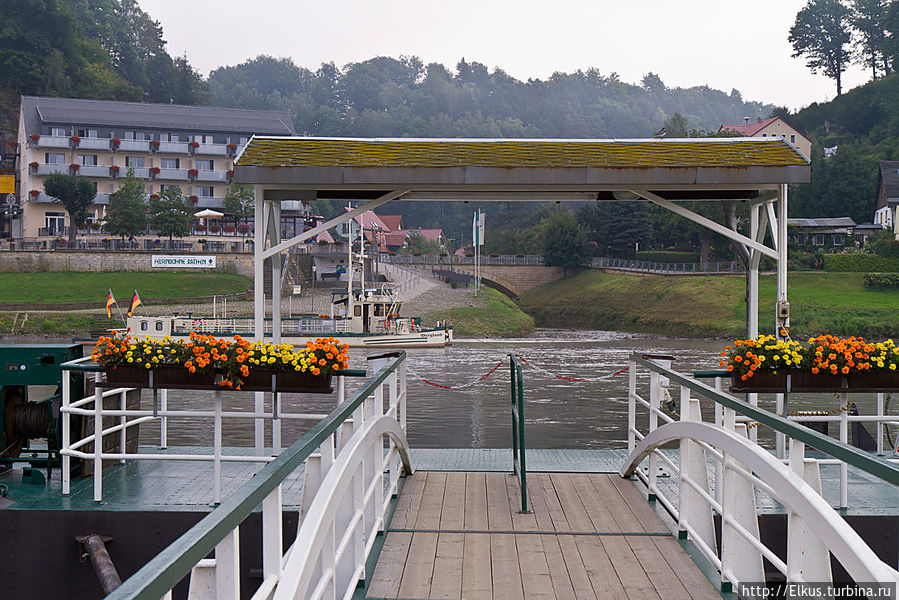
(350, 481)
(93, 406)
(743, 469)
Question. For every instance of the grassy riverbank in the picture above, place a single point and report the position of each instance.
(497, 317)
(712, 306)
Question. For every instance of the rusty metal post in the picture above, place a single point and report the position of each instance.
(95, 549)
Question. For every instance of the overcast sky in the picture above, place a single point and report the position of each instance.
(724, 44)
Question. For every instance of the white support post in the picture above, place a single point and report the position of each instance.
(217, 450)
(782, 315)
(880, 425)
(844, 437)
(276, 424)
(780, 439)
(655, 398)
(272, 535)
(740, 560)
(807, 557)
(752, 277)
(163, 420)
(66, 432)
(631, 406)
(123, 434)
(274, 237)
(259, 226)
(98, 440)
(227, 567)
(693, 510)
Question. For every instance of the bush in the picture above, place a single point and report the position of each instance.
(882, 281)
(858, 262)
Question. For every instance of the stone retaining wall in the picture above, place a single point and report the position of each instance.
(61, 260)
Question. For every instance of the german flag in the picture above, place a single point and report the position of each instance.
(135, 302)
(109, 302)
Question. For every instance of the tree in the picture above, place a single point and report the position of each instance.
(869, 20)
(169, 214)
(127, 212)
(75, 193)
(564, 240)
(820, 34)
(240, 202)
(416, 242)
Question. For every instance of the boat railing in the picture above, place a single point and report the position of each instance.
(351, 479)
(519, 462)
(245, 326)
(109, 421)
(719, 473)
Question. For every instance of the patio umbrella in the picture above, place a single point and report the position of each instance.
(208, 213)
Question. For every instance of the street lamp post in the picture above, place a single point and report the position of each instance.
(313, 286)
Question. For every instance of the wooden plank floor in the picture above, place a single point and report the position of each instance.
(588, 536)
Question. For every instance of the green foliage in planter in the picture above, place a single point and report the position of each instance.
(858, 262)
(882, 281)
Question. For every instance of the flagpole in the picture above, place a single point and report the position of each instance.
(146, 314)
(118, 308)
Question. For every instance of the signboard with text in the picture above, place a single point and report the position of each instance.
(196, 262)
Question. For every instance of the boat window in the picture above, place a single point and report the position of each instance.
(143, 326)
(158, 325)
(379, 310)
(357, 310)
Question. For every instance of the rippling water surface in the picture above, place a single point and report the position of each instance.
(560, 413)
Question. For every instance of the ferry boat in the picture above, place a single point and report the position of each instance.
(361, 318)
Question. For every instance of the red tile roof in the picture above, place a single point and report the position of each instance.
(752, 128)
(393, 222)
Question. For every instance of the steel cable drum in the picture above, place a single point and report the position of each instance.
(22, 421)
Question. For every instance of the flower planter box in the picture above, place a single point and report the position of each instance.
(174, 378)
(803, 381)
(260, 380)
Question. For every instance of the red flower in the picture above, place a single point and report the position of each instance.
(35, 137)
(35, 193)
(192, 172)
(74, 166)
(115, 141)
(33, 165)
(230, 174)
(232, 147)
(194, 145)
(114, 169)
(154, 196)
(194, 199)
(75, 139)
(154, 144)
(155, 170)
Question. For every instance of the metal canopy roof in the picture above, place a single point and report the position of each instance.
(445, 169)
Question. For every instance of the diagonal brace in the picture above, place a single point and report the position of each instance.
(342, 218)
(707, 223)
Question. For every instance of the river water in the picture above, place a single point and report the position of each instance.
(560, 413)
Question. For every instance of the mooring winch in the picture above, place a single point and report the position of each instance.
(30, 399)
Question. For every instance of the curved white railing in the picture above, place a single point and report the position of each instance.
(785, 484)
(719, 472)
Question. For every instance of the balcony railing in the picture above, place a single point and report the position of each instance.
(49, 169)
(49, 141)
(133, 146)
(174, 147)
(87, 143)
(173, 174)
(50, 231)
(212, 149)
(139, 172)
(217, 176)
(92, 171)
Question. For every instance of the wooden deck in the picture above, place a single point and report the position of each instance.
(460, 535)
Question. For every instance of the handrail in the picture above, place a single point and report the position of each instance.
(166, 569)
(519, 464)
(853, 456)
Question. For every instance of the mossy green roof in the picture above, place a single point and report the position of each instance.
(322, 152)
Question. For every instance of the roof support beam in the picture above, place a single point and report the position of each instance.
(342, 218)
(707, 223)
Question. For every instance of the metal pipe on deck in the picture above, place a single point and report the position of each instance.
(95, 549)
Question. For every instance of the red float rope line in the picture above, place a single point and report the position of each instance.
(499, 364)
